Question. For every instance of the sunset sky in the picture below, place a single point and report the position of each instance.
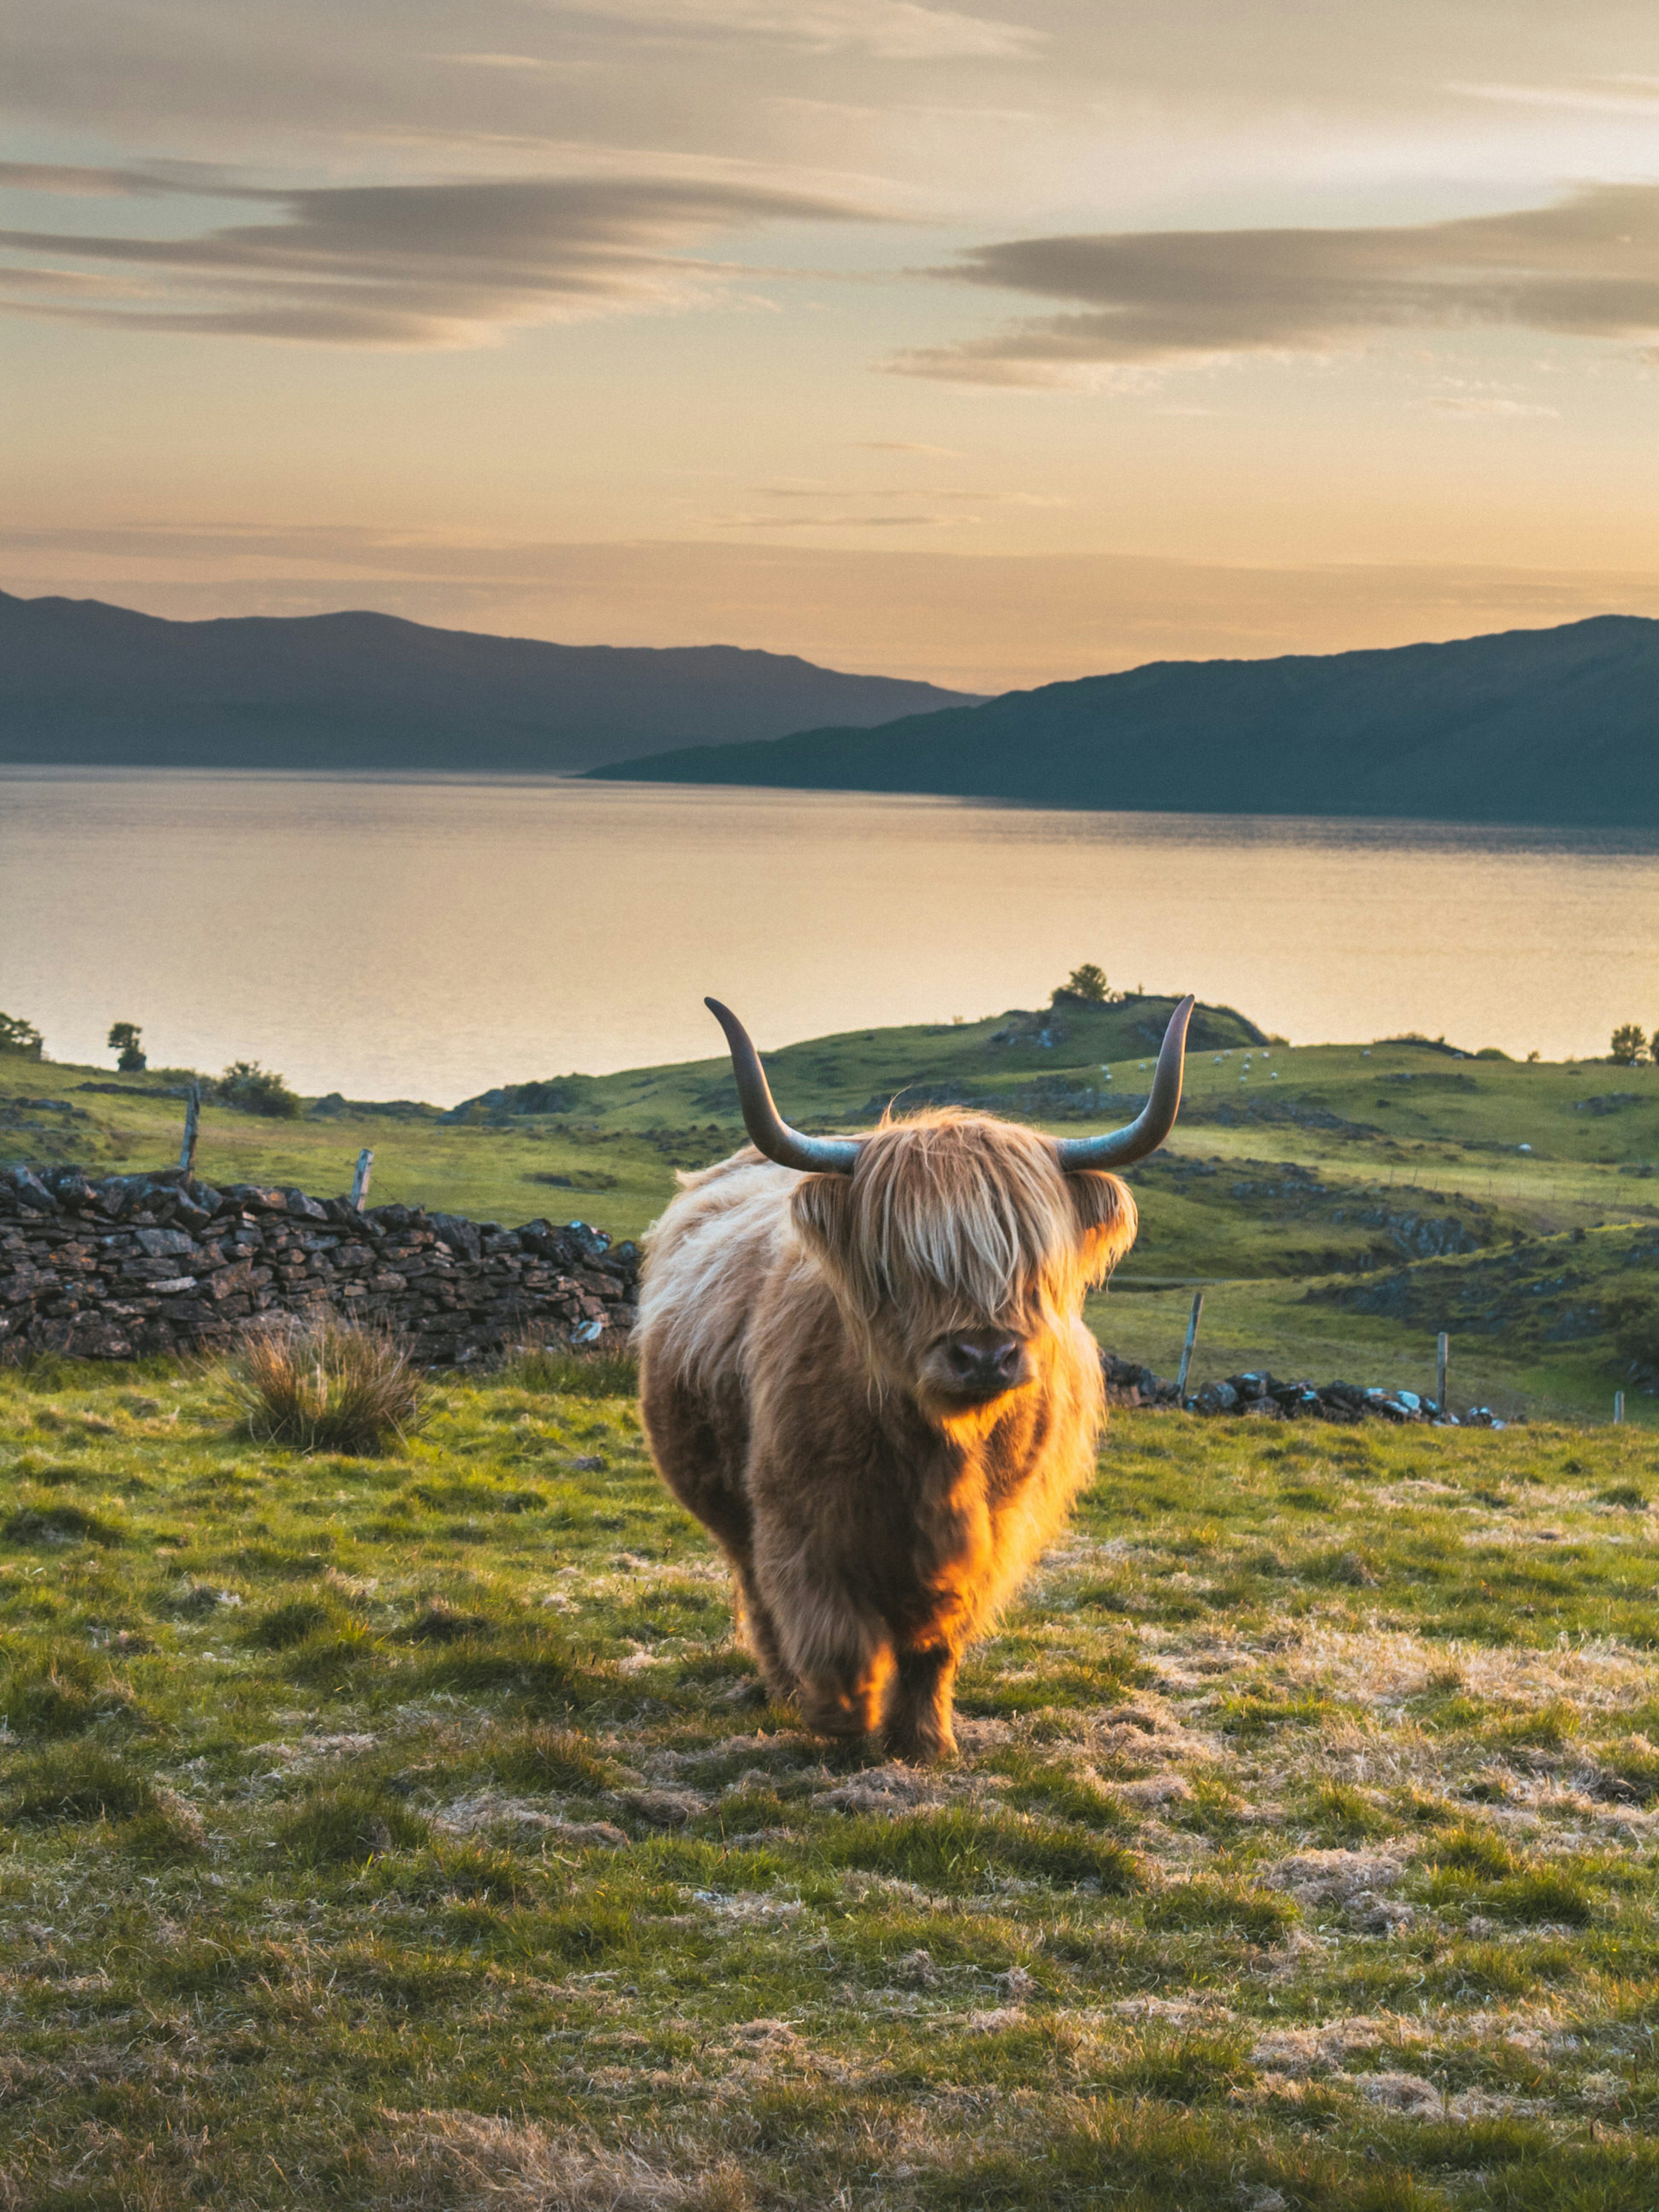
(990, 346)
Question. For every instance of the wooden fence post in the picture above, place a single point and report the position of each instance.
(187, 1150)
(1441, 1346)
(1187, 1348)
(1618, 1405)
(360, 1181)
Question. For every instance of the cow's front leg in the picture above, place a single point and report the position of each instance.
(845, 1700)
(917, 1725)
(840, 1654)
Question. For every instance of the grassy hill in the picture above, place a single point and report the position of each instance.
(1302, 1187)
(1033, 1063)
(1552, 725)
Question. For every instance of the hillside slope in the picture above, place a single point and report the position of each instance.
(86, 684)
(1397, 1176)
(1043, 1064)
(1552, 725)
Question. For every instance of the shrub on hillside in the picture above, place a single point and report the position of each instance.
(325, 1385)
(1629, 1044)
(1086, 986)
(20, 1036)
(257, 1089)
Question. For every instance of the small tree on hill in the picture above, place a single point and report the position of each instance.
(1629, 1044)
(257, 1089)
(124, 1038)
(20, 1036)
(1085, 986)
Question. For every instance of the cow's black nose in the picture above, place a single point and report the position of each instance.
(985, 1364)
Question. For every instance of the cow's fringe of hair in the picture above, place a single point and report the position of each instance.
(969, 1217)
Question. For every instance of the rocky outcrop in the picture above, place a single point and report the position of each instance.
(1542, 1291)
(135, 1265)
(1264, 1394)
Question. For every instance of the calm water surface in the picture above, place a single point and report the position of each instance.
(426, 939)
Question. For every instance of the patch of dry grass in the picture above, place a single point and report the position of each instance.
(470, 2162)
(323, 1384)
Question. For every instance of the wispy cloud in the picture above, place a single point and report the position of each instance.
(1596, 95)
(146, 181)
(1485, 406)
(888, 491)
(890, 30)
(1588, 267)
(843, 521)
(500, 61)
(413, 265)
(977, 498)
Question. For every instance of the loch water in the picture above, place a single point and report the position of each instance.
(392, 938)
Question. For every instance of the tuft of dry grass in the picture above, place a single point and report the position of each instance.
(469, 2162)
(323, 1384)
(76, 1782)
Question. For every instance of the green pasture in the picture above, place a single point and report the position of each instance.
(1292, 1172)
(411, 1832)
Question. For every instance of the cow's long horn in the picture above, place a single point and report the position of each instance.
(770, 1132)
(1156, 1119)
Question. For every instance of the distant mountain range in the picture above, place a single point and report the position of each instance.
(1539, 726)
(85, 683)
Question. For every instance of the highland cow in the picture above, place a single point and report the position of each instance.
(864, 1368)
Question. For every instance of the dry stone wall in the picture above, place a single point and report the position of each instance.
(135, 1265)
(1259, 1393)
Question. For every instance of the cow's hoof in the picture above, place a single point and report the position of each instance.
(922, 1750)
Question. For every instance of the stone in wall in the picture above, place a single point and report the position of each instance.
(132, 1265)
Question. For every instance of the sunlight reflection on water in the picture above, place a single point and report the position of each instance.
(426, 938)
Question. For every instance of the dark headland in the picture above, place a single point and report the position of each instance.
(1535, 726)
(86, 684)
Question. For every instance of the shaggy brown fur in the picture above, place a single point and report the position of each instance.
(878, 1394)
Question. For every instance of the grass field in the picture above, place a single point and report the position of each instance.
(1290, 1172)
(410, 1832)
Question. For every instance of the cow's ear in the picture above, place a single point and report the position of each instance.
(1106, 1217)
(823, 1211)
